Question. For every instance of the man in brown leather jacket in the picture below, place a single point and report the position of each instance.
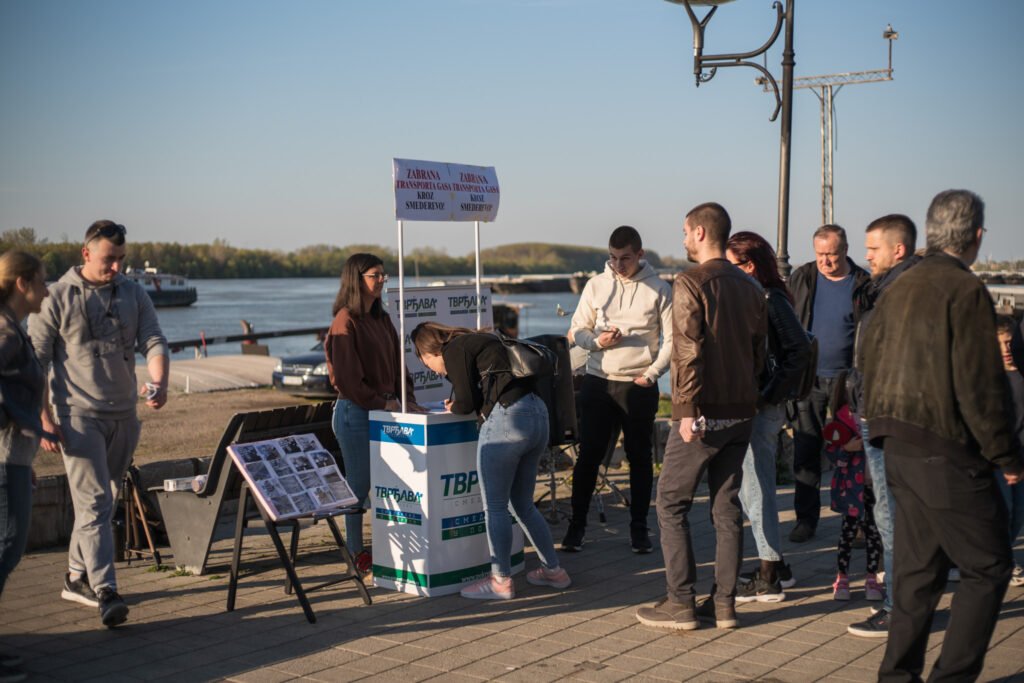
(937, 400)
(719, 325)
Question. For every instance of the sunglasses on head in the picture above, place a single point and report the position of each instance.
(113, 232)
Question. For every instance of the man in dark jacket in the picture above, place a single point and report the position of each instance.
(937, 398)
(890, 242)
(823, 293)
(719, 325)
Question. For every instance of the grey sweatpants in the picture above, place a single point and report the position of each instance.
(97, 453)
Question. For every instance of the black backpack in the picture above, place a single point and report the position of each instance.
(528, 358)
(545, 358)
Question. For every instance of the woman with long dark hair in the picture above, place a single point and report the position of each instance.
(22, 290)
(788, 354)
(513, 436)
(363, 362)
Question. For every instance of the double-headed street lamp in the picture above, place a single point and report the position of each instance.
(783, 100)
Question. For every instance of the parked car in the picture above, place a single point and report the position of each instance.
(304, 375)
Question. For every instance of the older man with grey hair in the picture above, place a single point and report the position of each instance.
(937, 399)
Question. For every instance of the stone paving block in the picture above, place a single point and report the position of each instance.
(406, 672)
(766, 657)
(550, 669)
(696, 659)
(261, 675)
(814, 665)
(723, 647)
(487, 669)
(812, 637)
(628, 663)
(788, 646)
(602, 675)
(670, 671)
(456, 677)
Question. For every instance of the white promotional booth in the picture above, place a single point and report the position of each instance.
(425, 501)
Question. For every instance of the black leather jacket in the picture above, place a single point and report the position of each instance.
(803, 284)
(789, 349)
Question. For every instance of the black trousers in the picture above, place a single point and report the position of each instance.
(606, 406)
(720, 454)
(948, 511)
(807, 445)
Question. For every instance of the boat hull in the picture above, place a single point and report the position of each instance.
(169, 298)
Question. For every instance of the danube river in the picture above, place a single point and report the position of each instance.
(295, 303)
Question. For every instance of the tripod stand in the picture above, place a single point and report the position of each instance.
(603, 482)
(554, 512)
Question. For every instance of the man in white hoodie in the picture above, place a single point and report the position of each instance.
(624, 321)
(86, 337)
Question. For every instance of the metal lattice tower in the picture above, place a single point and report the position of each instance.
(825, 88)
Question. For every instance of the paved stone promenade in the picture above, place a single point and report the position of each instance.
(178, 627)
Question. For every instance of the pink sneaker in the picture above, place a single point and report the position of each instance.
(542, 576)
(841, 588)
(490, 588)
(873, 590)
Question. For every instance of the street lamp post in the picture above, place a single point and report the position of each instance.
(783, 99)
(825, 87)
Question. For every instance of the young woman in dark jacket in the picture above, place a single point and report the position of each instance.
(788, 354)
(513, 436)
(22, 290)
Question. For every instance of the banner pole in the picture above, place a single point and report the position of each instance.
(401, 310)
(479, 304)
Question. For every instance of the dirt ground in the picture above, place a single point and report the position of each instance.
(189, 425)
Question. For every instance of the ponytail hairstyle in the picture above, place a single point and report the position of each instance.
(432, 337)
(16, 264)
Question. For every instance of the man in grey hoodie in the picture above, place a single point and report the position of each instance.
(86, 336)
(624, 321)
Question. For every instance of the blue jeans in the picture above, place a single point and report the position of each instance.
(1014, 497)
(15, 511)
(885, 510)
(351, 426)
(511, 443)
(757, 492)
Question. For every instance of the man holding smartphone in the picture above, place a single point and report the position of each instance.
(86, 337)
(624, 322)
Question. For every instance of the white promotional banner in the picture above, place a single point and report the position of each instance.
(454, 305)
(437, 191)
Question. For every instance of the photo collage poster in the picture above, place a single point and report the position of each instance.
(293, 476)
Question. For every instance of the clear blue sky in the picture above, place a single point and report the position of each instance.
(273, 124)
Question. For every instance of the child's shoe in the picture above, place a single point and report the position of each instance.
(841, 587)
(490, 588)
(873, 590)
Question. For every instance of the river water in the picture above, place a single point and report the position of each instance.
(293, 303)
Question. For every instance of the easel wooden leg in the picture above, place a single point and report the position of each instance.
(346, 555)
(294, 548)
(289, 568)
(236, 556)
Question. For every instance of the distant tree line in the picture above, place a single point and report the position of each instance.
(1016, 266)
(221, 260)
